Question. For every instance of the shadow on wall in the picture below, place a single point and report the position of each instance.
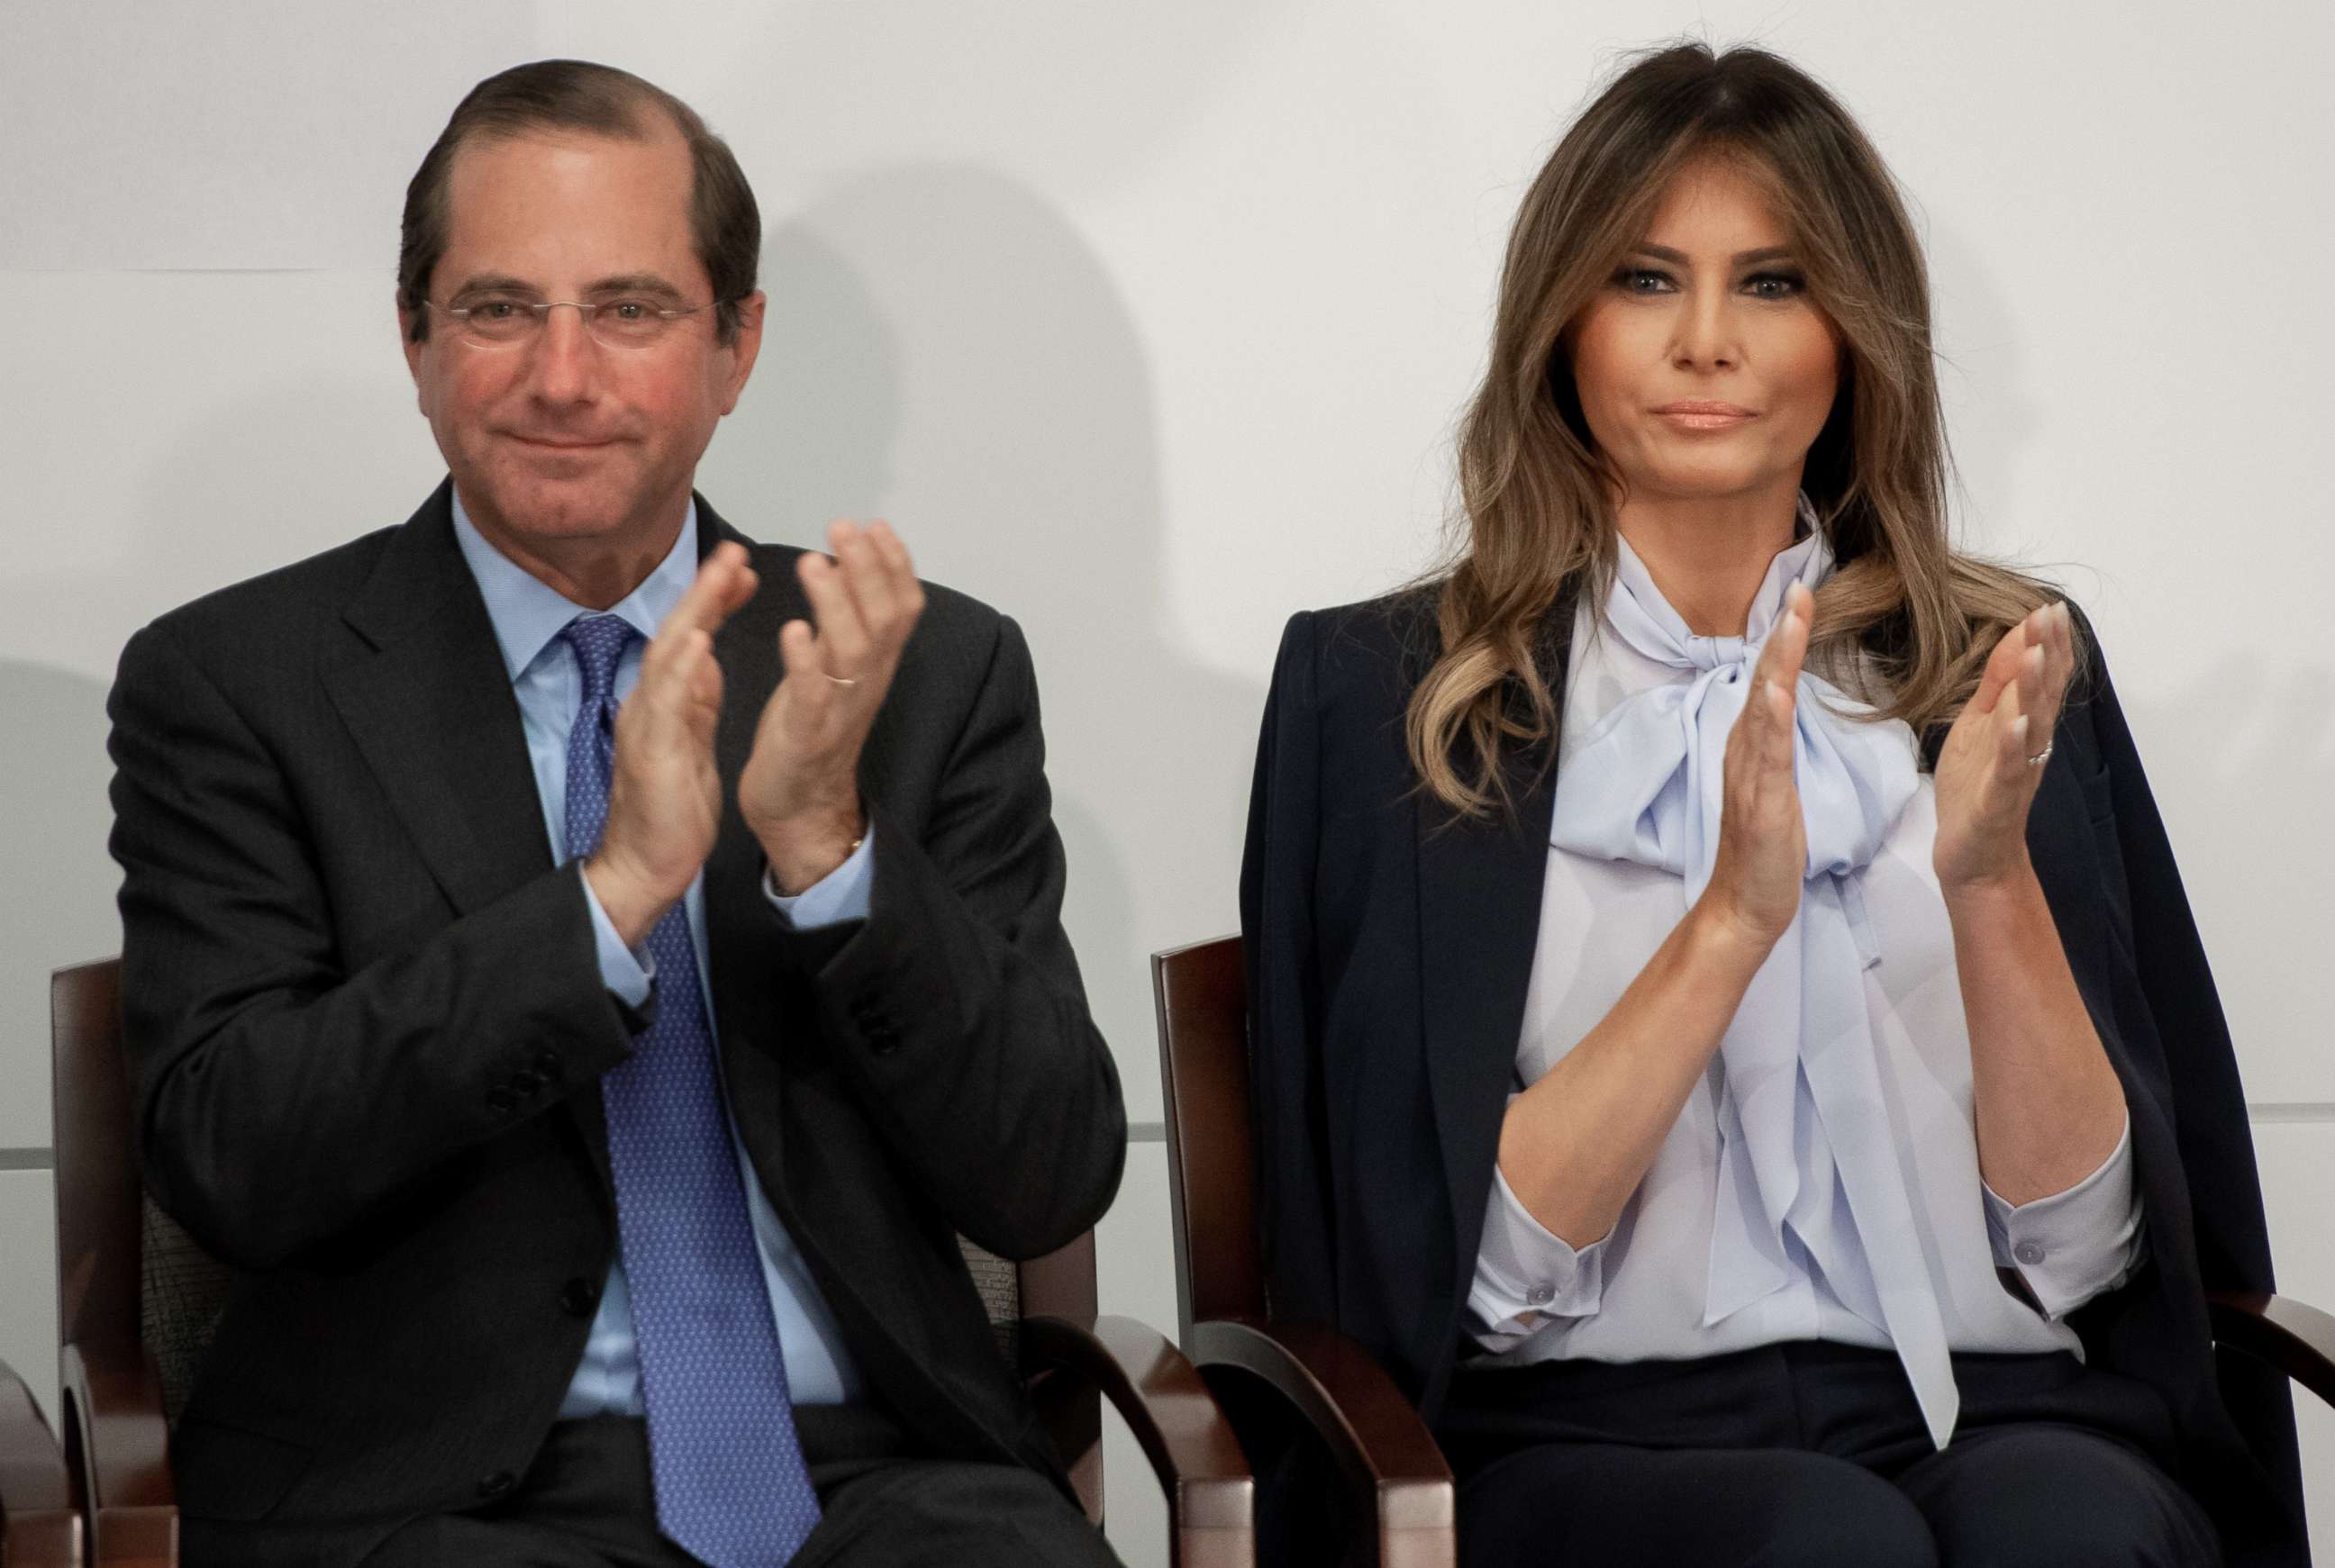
(2242, 759)
(54, 819)
(943, 350)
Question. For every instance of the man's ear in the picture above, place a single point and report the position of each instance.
(407, 320)
(746, 347)
(412, 347)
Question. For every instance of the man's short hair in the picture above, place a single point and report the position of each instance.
(578, 95)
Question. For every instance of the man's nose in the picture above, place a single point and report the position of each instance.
(567, 357)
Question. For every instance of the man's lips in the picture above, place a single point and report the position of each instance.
(561, 443)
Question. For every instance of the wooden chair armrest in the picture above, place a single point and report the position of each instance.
(1389, 1458)
(118, 1441)
(40, 1521)
(2297, 1339)
(1192, 1448)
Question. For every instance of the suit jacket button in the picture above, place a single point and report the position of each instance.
(526, 1082)
(501, 1101)
(496, 1484)
(548, 1063)
(578, 1298)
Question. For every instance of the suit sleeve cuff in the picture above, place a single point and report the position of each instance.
(839, 895)
(628, 972)
(2077, 1244)
(1526, 1274)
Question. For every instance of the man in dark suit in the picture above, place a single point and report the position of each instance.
(586, 970)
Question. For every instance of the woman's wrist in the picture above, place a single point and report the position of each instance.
(1721, 942)
(1978, 893)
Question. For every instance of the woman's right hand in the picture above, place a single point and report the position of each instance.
(1763, 848)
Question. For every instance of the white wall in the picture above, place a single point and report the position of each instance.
(1148, 324)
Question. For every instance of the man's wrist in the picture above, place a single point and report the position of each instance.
(631, 909)
(805, 849)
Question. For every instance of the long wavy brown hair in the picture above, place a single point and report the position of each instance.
(1914, 615)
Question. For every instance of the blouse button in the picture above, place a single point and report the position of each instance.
(2027, 1252)
(1541, 1295)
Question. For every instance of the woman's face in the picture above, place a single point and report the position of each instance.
(1703, 369)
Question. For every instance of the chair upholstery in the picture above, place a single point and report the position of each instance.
(1399, 1489)
(1000, 1284)
(140, 1299)
(182, 1292)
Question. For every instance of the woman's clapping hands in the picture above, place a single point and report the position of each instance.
(1994, 754)
(1763, 844)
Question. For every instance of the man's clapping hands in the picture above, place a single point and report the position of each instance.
(798, 792)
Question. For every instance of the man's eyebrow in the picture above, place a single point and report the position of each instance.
(494, 282)
(623, 283)
(635, 283)
(1741, 258)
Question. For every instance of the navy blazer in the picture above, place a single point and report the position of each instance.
(1389, 948)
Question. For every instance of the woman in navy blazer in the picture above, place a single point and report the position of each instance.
(1714, 316)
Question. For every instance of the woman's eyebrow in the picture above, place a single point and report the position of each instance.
(1741, 258)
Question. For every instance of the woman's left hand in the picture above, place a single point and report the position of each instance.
(1994, 755)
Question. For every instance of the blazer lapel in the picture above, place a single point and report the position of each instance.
(1479, 897)
(434, 714)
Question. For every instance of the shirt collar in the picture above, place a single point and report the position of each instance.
(528, 613)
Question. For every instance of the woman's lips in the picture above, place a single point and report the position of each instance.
(1698, 415)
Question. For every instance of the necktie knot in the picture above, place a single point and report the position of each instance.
(599, 643)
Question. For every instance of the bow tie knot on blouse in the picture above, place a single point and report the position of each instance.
(1807, 1166)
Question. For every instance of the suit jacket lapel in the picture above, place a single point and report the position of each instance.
(744, 1009)
(739, 922)
(1479, 897)
(434, 714)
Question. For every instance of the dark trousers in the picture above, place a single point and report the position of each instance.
(1812, 1456)
(588, 1502)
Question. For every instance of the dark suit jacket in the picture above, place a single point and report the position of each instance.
(1388, 951)
(366, 1025)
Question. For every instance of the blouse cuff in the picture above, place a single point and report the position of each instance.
(2077, 1244)
(1526, 1274)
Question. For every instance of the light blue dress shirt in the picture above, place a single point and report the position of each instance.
(528, 616)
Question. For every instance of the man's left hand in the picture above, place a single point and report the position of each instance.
(799, 792)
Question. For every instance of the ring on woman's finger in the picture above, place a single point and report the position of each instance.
(2039, 758)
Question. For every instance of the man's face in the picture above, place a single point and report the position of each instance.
(558, 443)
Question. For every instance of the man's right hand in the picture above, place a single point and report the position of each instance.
(664, 801)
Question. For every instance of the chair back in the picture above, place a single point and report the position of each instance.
(1201, 993)
(128, 1273)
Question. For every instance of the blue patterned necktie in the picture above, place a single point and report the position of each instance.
(731, 1484)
